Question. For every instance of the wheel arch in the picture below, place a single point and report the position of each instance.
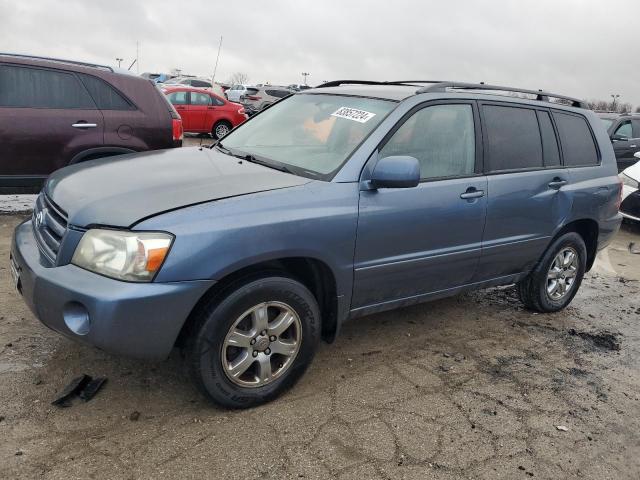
(588, 229)
(99, 152)
(313, 273)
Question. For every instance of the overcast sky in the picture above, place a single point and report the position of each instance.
(583, 48)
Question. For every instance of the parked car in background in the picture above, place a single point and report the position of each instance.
(236, 91)
(55, 113)
(196, 83)
(298, 87)
(335, 203)
(630, 207)
(202, 111)
(624, 131)
(259, 98)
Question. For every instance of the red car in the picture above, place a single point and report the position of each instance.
(203, 111)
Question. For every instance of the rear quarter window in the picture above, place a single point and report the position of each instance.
(105, 96)
(578, 146)
(512, 137)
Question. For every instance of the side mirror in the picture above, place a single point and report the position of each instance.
(618, 138)
(637, 155)
(396, 172)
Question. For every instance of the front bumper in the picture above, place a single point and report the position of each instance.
(140, 320)
(630, 207)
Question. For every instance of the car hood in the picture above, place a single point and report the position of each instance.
(123, 190)
(633, 171)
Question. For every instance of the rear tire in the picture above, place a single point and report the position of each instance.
(220, 129)
(255, 343)
(557, 277)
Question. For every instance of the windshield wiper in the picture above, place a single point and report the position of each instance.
(259, 161)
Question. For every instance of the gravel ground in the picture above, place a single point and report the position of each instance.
(468, 387)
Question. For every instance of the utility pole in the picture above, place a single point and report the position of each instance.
(137, 56)
(304, 77)
(613, 105)
(213, 79)
(119, 60)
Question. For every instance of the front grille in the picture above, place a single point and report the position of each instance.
(49, 225)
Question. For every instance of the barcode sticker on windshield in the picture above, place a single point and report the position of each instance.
(353, 114)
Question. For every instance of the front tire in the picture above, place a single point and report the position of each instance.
(556, 278)
(220, 129)
(255, 343)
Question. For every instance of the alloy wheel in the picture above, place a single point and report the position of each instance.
(562, 273)
(261, 344)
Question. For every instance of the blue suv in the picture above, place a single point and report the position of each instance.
(351, 198)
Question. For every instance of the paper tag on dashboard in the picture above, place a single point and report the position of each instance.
(353, 114)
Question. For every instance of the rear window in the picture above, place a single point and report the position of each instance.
(105, 96)
(200, 83)
(513, 138)
(578, 147)
(278, 93)
(252, 91)
(41, 88)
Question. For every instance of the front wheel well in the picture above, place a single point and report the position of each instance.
(588, 230)
(312, 273)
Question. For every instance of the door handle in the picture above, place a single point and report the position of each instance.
(556, 183)
(633, 146)
(472, 193)
(211, 108)
(84, 125)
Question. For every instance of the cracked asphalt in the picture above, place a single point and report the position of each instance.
(472, 386)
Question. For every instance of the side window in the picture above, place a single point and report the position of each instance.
(513, 138)
(578, 147)
(41, 88)
(178, 98)
(200, 99)
(636, 128)
(105, 96)
(624, 130)
(549, 140)
(216, 101)
(441, 137)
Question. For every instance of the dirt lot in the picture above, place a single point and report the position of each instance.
(469, 387)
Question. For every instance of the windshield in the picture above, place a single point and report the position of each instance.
(310, 134)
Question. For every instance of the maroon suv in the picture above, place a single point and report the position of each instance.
(55, 113)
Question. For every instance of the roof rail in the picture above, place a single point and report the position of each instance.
(61, 60)
(337, 83)
(540, 94)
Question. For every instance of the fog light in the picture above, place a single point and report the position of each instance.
(76, 317)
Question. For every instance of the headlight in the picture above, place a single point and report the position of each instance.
(132, 256)
(628, 181)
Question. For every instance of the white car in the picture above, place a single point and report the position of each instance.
(236, 91)
(630, 207)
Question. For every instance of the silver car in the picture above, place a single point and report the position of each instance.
(259, 98)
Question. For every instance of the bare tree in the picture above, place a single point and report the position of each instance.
(638, 110)
(625, 108)
(238, 77)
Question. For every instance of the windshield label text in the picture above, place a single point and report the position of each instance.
(353, 114)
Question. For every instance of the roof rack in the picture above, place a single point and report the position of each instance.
(443, 86)
(337, 83)
(61, 60)
(540, 94)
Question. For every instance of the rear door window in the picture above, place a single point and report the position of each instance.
(105, 96)
(512, 138)
(441, 137)
(41, 88)
(198, 98)
(550, 149)
(578, 146)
